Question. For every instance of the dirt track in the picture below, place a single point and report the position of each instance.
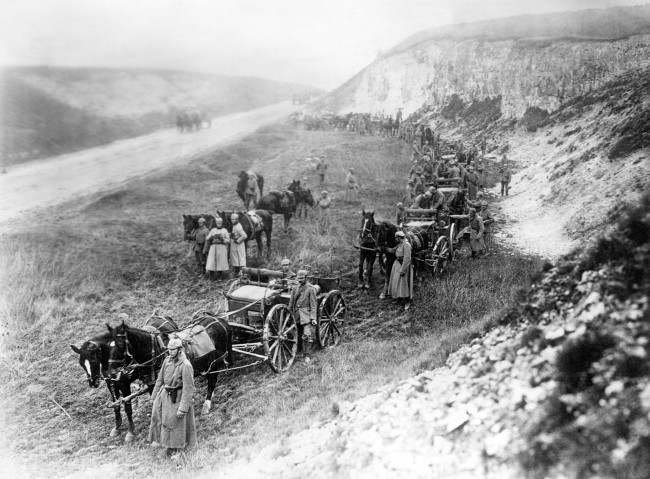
(54, 180)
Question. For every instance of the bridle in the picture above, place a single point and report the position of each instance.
(132, 365)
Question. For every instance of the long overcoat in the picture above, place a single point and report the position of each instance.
(400, 285)
(217, 242)
(238, 246)
(166, 428)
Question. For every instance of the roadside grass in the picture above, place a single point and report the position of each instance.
(122, 252)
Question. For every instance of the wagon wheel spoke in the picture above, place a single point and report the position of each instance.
(280, 356)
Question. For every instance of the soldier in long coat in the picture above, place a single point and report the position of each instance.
(199, 237)
(237, 244)
(401, 277)
(476, 233)
(216, 246)
(172, 417)
(304, 305)
(252, 194)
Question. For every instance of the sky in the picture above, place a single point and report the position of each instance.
(321, 43)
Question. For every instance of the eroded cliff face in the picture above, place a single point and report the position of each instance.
(524, 73)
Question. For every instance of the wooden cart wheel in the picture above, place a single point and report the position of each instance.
(332, 315)
(280, 338)
(453, 231)
(442, 251)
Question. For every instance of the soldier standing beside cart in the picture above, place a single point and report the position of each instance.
(237, 244)
(199, 237)
(303, 304)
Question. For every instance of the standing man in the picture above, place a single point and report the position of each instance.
(303, 305)
(409, 196)
(476, 231)
(216, 245)
(471, 182)
(199, 237)
(351, 186)
(324, 204)
(302, 210)
(252, 193)
(321, 168)
(401, 214)
(172, 416)
(505, 177)
(401, 278)
(237, 244)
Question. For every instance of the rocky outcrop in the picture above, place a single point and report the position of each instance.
(536, 61)
(524, 73)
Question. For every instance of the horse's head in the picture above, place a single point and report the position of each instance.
(367, 226)
(188, 227)
(90, 359)
(119, 354)
(386, 235)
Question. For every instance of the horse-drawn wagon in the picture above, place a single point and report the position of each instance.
(259, 315)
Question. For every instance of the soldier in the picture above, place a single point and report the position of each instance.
(303, 305)
(476, 230)
(216, 246)
(237, 244)
(172, 416)
(252, 193)
(401, 213)
(302, 209)
(351, 186)
(199, 237)
(423, 201)
(285, 266)
(400, 283)
(505, 176)
(453, 171)
(324, 204)
(321, 168)
(471, 182)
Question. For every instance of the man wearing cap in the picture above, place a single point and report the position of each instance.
(471, 182)
(172, 416)
(302, 209)
(401, 213)
(252, 193)
(324, 204)
(237, 244)
(423, 201)
(199, 236)
(476, 231)
(321, 168)
(303, 304)
(285, 266)
(351, 186)
(409, 196)
(216, 246)
(505, 176)
(400, 283)
(453, 171)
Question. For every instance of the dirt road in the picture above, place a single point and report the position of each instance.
(51, 181)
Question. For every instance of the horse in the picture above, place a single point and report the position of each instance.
(367, 248)
(191, 223)
(304, 198)
(135, 354)
(280, 202)
(94, 358)
(249, 227)
(242, 184)
(385, 242)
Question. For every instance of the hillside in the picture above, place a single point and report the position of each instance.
(536, 61)
(47, 111)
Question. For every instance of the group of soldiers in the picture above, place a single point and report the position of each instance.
(216, 250)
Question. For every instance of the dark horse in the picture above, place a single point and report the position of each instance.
(279, 202)
(242, 183)
(94, 357)
(248, 224)
(191, 223)
(303, 195)
(386, 243)
(135, 354)
(367, 248)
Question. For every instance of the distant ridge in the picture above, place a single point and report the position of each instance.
(594, 24)
(48, 110)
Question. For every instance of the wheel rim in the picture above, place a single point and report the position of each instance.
(280, 338)
(332, 315)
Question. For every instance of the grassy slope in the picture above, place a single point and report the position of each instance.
(72, 268)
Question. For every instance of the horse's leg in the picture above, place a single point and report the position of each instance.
(286, 222)
(268, 243)
(370, 263)
(207, 404)
(116, 409)
(258, 240)
(362, 260)
(128, 408)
